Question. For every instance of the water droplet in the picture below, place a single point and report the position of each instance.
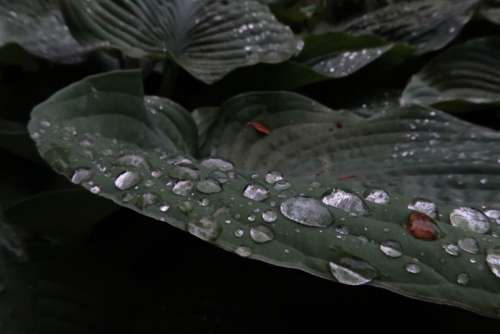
(127, 180)
(306, 211)
(270, 216)
(469, 245)
(282, 185)
(184, 173)
(422, 227)
(183, 188)
(261, 234)
(378, 197)
(451, 249)
(470, 220)
(148, 199)
(209, 186)
(164, 208)
(493, 260)
(463, 279)
(217, 164)
(95, 190)
(413, 268)
(274, 177)
(256, 192)
(81, 175)
(391, 249)
(494, 215)
(243, 251)
(239, 233)
(133, 160)
(205, 229)
(349, 202)
(352, 272)
(424, 206)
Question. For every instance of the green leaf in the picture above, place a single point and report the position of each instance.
(465, 74)
(209, 38)
(341, 204)
(427, 24)
(39, 27)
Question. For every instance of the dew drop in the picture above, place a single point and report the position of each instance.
(451, 249)
(424, 206)
(493, 260)
(352, 272)
(378, 197)
(346, 201)
(256, 192)
(183, 188)
(494, 215)
(184, 173)
(422, 227)
(95, 190)
(463, 279)
(413, 268)
(217, 164)
(282, 185)
(81, 175)
(270, 216)
(127, 180)
(239, 233)
(261, 234)
(164, 208)
(133, 160)
(209, 186)
(205, 229)
(306, 211)
(469, 245)
(391, 248)
(470, 220)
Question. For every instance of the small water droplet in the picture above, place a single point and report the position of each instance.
(274, 177)
(205, 229)
(81, 175)
(493, 260)
(209, 186)
(282, 185)
(183, 188)
(184, 173)
(127, 180)
(133, 160)
(352, 272)
(424, 206)
(391, 248)
(270, 216)
(463, 279)
(469, 245)
(239, 233)
(95, 190)
(164, 208)
(452, 249)
(306, 211)
(346, 201)
(470, 220)
(378, 197)
(261, 234)
(413, 268)
(217, 164)
(243, 251)
(422, 227)
(256, 192)
(494, 215)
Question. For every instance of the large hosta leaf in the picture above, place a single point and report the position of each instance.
(209, 38)
(340, 204)
(39, 27)
(465, 73)
(428, 24)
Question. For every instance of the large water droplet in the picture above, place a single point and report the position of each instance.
(306, 211)
(217, 164)
(470, 220)
(256, 192)
(127, 180)
(378, 197)
(352, 272)
(349, 202)
(469, 245)
(391, 248)
(183, 188)
(494, 215)
(422, 227)
(261, 234)
(81, 175)
(424, 206)
(205, 229)
(274, 177)
(209, 186)
(493, 260)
